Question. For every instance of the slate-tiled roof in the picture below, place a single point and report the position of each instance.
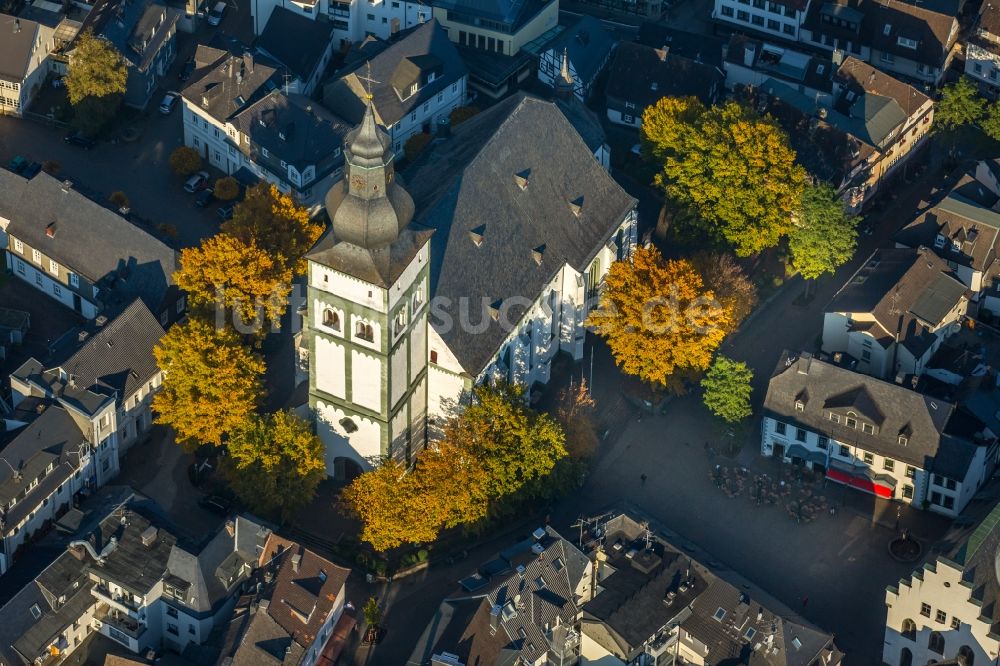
(137, 28)
(977, 554)
(587, 44)
(17, 46)
(909, 291)
(642, 75)
(426, 48)
(23, 639)
(989, 19)
(521, 135)
(513, 14)
(295, 41)
(693, 46)
(975, 228)
(73, 230)
(120, 356)
(892, 409)
(794, 67)
(858, 76)
(224, 82)
(293, 128)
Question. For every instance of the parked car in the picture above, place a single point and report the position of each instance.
(196, 183)
(169, 102)
(216, 504)
(187, 70)
(204, 198)
(31, 170)
(225, 211)
(215, 16)
(80, 139)
(18, 164)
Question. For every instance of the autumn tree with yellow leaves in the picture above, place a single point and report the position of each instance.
(495, 448)
(212, 383)
(732, 168)
(275, 463)
(277, 224)
(237, 276)
(658, 318)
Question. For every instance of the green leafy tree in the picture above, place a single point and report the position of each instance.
(275, 463)
(991, 122)
(95, 82)
(212, 382)
(727, 389)
(372, 612)
(733, 168)
(184, 161)
(415, 145)
(960, 104)
(119, 199)
(825, 236)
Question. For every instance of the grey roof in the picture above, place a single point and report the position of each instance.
(521, 135)
(424, 50)
(207, 589)
(73, 230)
(120, 356)
(514, 14)
(23, 638)
(137, 28)
(224, 83)
(693, 46)
(132, 565)
(587, 44)
(265, 643)
(293, 128)
(795, 67)
(584, 121)
(12, 187)
(295, 41)
(892, 409)
(974, 227)
(905, 290)
(17, 46)
(642, 75)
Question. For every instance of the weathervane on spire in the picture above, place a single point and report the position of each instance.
(367, 78)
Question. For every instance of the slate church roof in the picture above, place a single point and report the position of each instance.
(496, 240)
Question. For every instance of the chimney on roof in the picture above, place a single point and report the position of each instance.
(149, 536)
(17, 25)
(662, 54)
(296, 561)
(50, 230)
(521, 178)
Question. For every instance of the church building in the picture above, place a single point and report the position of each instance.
(484, 265)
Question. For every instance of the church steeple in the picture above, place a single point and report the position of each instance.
(565, 86)
(368, 207)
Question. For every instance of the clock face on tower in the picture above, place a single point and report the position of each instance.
(357, 182)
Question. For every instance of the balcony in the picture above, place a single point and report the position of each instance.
(116, 601)
(116, 620)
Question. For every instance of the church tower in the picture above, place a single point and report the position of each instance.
(367, 313)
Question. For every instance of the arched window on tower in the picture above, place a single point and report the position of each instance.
(331, 319)
(909, 630)
(906, 657)
(364, 331)
(966, 657)
(935, 642)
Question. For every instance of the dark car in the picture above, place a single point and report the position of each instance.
(31, 170)
(17, 164)
(216, 504)
(204, 197)
(187, 70)
(225, 211)
(80, 139)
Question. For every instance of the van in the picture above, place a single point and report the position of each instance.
(215, 16)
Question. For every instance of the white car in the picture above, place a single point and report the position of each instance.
(168, 103)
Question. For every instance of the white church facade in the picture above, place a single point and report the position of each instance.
(421, 291)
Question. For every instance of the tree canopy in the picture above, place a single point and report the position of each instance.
(657, 316)
(732, 167)
(960, 104)
(276, 223)
(991, 121)
(225, 272)
(184, 160)
(575, 412)
(276, 463)
(825, 236)
(730, 284)
(95, 81)
(727, 389)
(212, 382)
(226, 189)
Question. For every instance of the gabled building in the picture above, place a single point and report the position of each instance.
(587, 47)
(296, 613)
(352, 20)
(301, 45)
(751, 62)
(948, 609)
(878, 437)
(519, 607)
(964, 230)
(56, 241)
(982, 51)
(640, 75)
(134, 581)
(654, 604)
(894, 312)
(526, 267)
(418, 81)
(145, 33)
(24, 64)
(763, 18)
(909, 39)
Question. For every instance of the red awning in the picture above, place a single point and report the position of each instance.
(860, 482)
(338, 639)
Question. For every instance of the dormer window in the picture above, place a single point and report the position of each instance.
(903, 440)
(835, 417)
(868, 428)
(800, 406)
(413, 89)
(851, 423)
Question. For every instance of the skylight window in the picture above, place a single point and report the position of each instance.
(36, 612)
(720, 614)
